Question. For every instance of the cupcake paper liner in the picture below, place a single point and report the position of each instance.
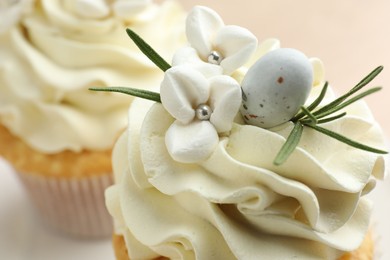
(73, 206)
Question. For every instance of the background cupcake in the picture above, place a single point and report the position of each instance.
(56, 133)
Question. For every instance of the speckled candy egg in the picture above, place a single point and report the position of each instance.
(275, 87)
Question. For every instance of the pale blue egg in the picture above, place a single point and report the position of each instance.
(275, 87)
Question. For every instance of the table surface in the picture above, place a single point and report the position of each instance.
(350, 36)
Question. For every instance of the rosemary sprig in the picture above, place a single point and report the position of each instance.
(347, 103)
(346, 140)
(311, 117)
(145, 94)
(308, 117)
(369, 77)
(290, 144)
(355, 89)
(313, 105)
(148, 50)
(328, 119)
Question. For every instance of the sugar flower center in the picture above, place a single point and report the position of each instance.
(203, 112)
(215, 57)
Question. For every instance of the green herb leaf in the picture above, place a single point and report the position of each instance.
(369, 77)
(329, 119)
(290, 144)
(311, 119)
(148, 50)
(145, 94)
(348, 102)
(346, 140)
(319, 99)
(355, 89)
(313, 105)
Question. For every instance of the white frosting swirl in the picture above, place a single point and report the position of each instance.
(49, 59)
(11, 12)
(237, 204)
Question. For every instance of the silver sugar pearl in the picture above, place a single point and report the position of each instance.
(215, 58)
(203, 112)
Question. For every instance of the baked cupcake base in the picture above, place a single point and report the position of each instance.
(364, 252)
(66, 188)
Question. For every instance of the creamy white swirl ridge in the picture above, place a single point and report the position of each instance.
(311, 207)
(53, 55)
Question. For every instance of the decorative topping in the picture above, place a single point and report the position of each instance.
(205, 105)
(11, 11)
(191, 143)
(275, 87)
(323, 115)
(227, 46)
(215, 58)
(148, 51)
(203, 112)
(202, 108)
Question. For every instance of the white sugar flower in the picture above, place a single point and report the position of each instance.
(202, 108)
(11, 11)
(215, 48)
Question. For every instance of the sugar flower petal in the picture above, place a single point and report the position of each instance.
(201, 26)
(189, 138)
(225, 100)
(189, 56)
(191, 142)
(236, 44)
(182, 89)
(207, 34)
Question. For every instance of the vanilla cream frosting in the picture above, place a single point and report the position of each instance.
(238, 205)
(11, 11)
(50, 57)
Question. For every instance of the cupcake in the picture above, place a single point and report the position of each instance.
(245, 152)
(56, 133)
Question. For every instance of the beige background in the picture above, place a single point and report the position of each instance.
(351, 37)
